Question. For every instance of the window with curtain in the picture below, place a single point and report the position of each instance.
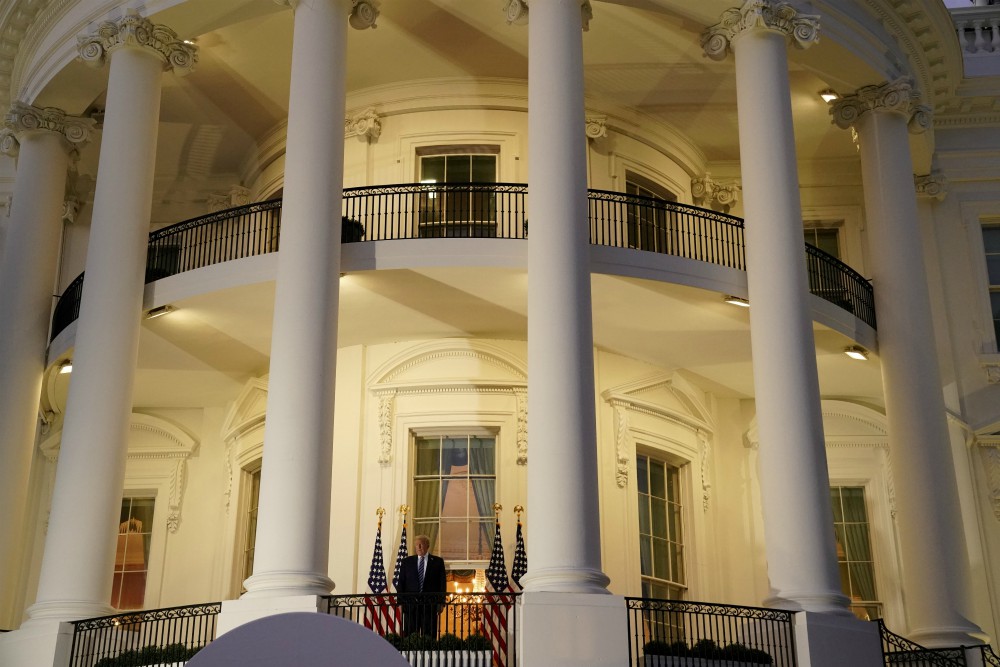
(854, 551)
(991, 243)
(250, 523)
(649, 224)
(454, 488)
(460, 211)
(661, 537)
(135, 532)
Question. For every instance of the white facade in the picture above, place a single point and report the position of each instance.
(584, 358)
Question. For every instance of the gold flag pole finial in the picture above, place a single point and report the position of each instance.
(518, 509)
(404, 510)
(497, 508)
(380, 512)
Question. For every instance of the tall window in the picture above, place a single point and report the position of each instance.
(991, 242)
(250, 521)
(456, 208)
(661, 543)
(135, 530)
(854, 551)
(825, 236)
(648, 225)
(454, 488)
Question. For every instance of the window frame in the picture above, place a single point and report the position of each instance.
(131, 497)
(858, 606)
(681, 466)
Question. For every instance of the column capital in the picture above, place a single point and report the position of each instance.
(363, 14)
(897, 96)
(931, 186)
(366, 124)
(709, 193)
(597, 126)
(517, 12)
(23, 118)
(802, 29)
(136, 31)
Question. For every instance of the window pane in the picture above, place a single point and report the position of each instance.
(483, 497)
(642, 473)
(674, 527)
(453, 539)
(657, 480)
(458, 168)
(644, 521)
(428, 456)
(863, 582)
(455, 498)
(455, 456)
(991, 238)
(432, 169)
(854, 504)
(838, 510)
(484, 168)
(482, 458)
(677, 562)
(480, 540)
(993, 269)
(646, 555)
(857, 542)
(661, 559)
(659, 511)
(426, 495)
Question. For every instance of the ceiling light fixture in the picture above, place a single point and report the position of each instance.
(736, 301)
(66, 367)
(829, 95)
(159, 311)
(856, 352)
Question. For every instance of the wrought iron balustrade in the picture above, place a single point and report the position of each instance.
(674, 632)
(898, 651)
(476, 210)
(155, 637)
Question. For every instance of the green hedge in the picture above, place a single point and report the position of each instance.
(709, 650)
(149, 655)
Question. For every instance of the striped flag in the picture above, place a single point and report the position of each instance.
(401, 553)
(520, 566)
(381, 613)
(497, 607)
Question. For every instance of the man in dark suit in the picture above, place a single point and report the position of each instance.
(422, 584)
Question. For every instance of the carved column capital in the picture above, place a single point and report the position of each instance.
(801, 29)
(516, 12)
(363, 14)
(136, 31)
(931, 186)
(367, 125)
(23, 118)
(597, 127)
(897, 96)
(711, 194)
(237, 195)
(9, 145)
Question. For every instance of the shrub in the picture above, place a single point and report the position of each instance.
(418, 642)
(741, 653)
(658, 647)
(394, 639)
(706, 648)
(478, 642)
(450, 642)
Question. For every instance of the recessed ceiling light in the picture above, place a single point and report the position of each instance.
(856, 352)
(736, 301)
(66, 367)
(829, 95)
(159, 311)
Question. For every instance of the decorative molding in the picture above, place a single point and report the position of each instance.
(23, 118)
(386, 408)
(597, 127)
(363, 14)
(237, 196)
(71, 209)
(705, 455)
(801, 29)
(931, 186)
(9, 145)
(516, 12)
(367, 125)
(136, 31)
(990, 456)
(621, 442)
(389, 372)
(897, 96)
(522, 426)
(992, 370)
(708, 193)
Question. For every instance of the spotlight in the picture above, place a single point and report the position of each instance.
(829, 95)
(736, 301)
(159, 311)
(855, 352)
(66, 367)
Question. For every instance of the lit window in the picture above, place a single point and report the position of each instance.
(854, 551)
(649, 225)
(661, 543)
(454, 488)
(135, 530)
(991, 243)
(463, 210)
(250, 523)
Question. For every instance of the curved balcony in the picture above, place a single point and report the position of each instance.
(477, 210)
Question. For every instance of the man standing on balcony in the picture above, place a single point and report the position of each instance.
(422, 585)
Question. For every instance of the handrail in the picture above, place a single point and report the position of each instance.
(898, 651)
(477, 210)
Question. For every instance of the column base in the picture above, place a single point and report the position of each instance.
(833, 640)
(572, 630)
(832, 604)
(563, 580)
(66, 610)
(238, 612)
(286, 584)
(947, 637)
(41, 644)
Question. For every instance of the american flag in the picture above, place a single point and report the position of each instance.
(520, 566)
(381, 613)
(497, 607)
(401, 553)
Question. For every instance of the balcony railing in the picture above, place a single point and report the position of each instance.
(477, 210)
(156, 637)
(672, 632)
(898, 651)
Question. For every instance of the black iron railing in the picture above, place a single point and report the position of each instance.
(477, 210)
(156, 637)
(672, 632)
(467, 629)
(989, 657)
(898, 651)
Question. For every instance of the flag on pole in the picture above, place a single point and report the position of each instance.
(520, 565)
(497, 607)
(401, 553)
(381, 613)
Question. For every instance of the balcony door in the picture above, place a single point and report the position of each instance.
(458, 198)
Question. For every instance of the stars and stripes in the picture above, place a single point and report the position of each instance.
(381, 613)
(520, 565)
(497, 607)
(401, 554)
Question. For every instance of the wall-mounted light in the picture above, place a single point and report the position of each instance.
(159, 311)
(736, 301)
(66, 367)
(829, 95)
(856, 352)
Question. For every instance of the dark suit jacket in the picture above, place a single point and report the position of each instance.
(434, 575)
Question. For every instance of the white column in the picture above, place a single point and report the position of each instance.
(44, 139)
(795, 485)
(75, 580)
(293, 529)
(934, 556)
(562, 470)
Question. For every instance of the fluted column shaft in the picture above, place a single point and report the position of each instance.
(928, 516)
(26, 271)
(293, 530)
(86, 500)
(795, 485)
(562, 473)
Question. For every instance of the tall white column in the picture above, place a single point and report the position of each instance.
(934, 557)
(795, 485)
(293, 529)
(76, 575)
(44, 140)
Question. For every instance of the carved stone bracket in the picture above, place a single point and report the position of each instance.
(386, 407)
(992, 370)
(71, 209)
(897, 96)
(9, 144)
(23, 118)
(367, 125)
(990, 455)
(711, 194)
(802, 29)
(522, 426)
(363, 14)
(135, 31)
(705, 455)
(621, 443)
(516, 12)
(237, 196)
(597, 127)
(931, 186)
